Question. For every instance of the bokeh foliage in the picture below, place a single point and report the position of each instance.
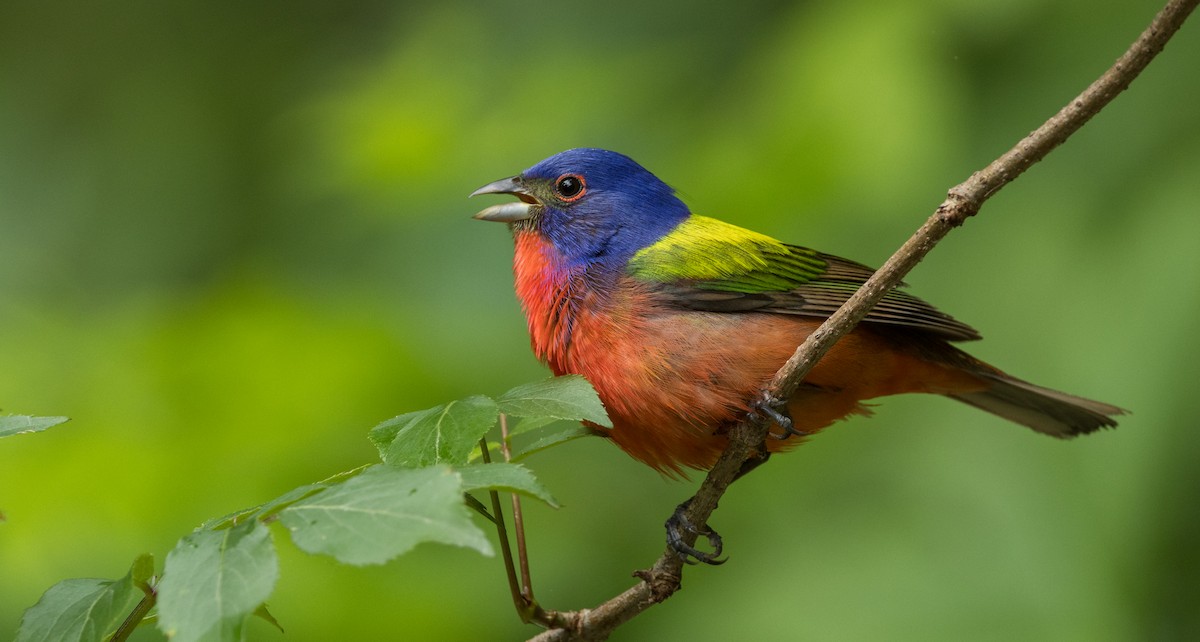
(233, 237)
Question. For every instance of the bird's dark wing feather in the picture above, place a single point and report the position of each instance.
(713, 266)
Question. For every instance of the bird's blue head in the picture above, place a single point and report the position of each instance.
(593, 205)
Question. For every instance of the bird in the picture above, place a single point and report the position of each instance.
(679, 320)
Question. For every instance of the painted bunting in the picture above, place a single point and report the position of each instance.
(679, 320)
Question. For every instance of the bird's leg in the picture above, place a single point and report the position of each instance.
(678, 523)
(776, 411)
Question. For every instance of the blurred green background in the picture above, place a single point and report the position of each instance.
(234, 236)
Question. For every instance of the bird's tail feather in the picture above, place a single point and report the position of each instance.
(1047, 411)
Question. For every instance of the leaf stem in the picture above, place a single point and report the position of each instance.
(137, 615)
(518, 520)
(502, 533)
(527, 608)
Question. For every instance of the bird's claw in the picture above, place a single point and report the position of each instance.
(765, 408)
(678, 524)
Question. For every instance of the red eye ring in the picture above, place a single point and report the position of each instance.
(570, 187)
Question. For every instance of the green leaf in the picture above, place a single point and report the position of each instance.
(263, 613)
(477, 506)
(21, 424)
(570, 397)
(514, 478)
(441, 435)
(272, 508)
(382, 513)
(214, 580)
(552, 438)
(227, 520)
(477, 453)
(529, 424)
(84, 609)
(142, 570)
(268, 510)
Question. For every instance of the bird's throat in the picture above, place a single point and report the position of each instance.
(544, 285)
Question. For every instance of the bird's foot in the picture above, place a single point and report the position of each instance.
(678, 524)
(766, 409)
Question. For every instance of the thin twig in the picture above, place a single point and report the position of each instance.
(522, 594)
(136, 616)
(962, 202)
(518, 519)
(502, 535)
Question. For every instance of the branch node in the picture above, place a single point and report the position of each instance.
(662, 582)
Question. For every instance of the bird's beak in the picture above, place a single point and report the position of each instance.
(507, 212)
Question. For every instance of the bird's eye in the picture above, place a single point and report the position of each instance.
(570, 187)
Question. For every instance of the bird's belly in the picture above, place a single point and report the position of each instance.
(675, 382)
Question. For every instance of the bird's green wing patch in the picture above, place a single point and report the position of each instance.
(714, 255)
(710, 265)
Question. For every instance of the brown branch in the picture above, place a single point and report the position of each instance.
(962, 202)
